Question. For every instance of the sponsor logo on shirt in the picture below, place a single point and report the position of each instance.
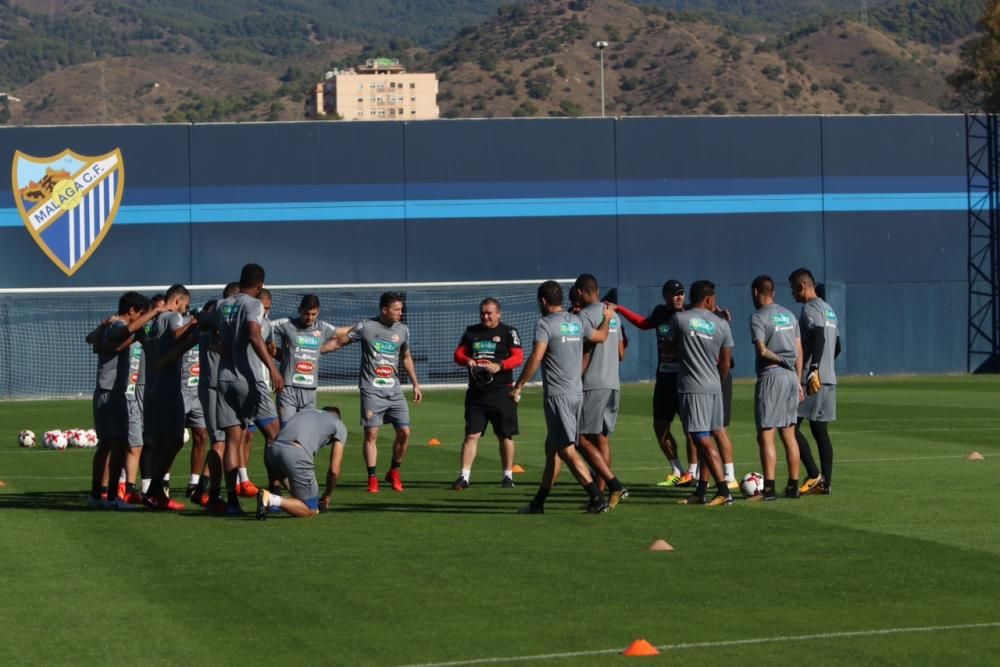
(702, 326)
(385, 347)
(384, 382)
(299, 378)
(192, 381)
(196, 370)
(569, 329)
(133, 378)
(384, 372)
(305, 367)
(830, 315)
(485, 346)
(307, 342)
(304, 356)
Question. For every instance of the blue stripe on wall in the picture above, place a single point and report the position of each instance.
(531, 208)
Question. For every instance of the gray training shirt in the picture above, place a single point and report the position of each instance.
(382, 348)
(313, 429)
(564, 333)
(602, 372)
(777, 328)
(300, 350)
(136, 369)
(208, 358)
(112, 367)
(818, 319)
(238, 358)
(191, 371)
(699, 336)
(158, 343)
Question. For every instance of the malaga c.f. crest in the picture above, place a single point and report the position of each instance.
(68, 202)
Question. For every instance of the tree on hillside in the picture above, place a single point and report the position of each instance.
(978, 80)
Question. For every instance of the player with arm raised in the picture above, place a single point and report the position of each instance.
(820, 347)
(558, 351)
(385, 346)
(244, 396)
(665, 397)
(601, 382)
(490, 350)
(293, 456)
(703, 342)
(775, 336)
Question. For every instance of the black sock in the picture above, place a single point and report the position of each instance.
(396, 464)
(722, 488)
(614, 484)
(540, 496)
(275, 488)
(129, 488)
(805, 454)
(95, 490)
(793, 483)
(202, 484)
(825, 447)
(231, 477)
(593, 491)
(371, 471)
(702, 487)
(768, 484)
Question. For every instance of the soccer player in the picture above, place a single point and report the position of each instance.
(385, 345)
(111, 342)
(163, 401)
(490, 350)
(775, 336)
(558, 351)
(703, 342)
(293, 454)
(601, 382)
(243, 392)
(820, 347)
(244, 487)
(299, 341)
(722, 435)
(194, 415)
(665, 397)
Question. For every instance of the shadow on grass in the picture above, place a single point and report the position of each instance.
(60, 501)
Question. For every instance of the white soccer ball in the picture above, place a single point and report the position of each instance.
(87, 438)
(752, 484)
(55, 439)
(73, 437)
(26, 438)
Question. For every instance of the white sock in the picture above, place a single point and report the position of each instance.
(145, 485)
(194, 479)
(242, 476)
(122, 477)
(166, 478)
(508, 473)
(693, 469)
(676, 465)
(275, 500)
(465, 473)
(730, 472)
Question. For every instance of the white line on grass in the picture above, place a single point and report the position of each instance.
(718, 644)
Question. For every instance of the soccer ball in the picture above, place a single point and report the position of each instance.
(73, 437)
(87, 438)
(26, 438)
(752, 484)
(54, 440)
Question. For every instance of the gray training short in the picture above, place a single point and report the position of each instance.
(378, 410)
(701, 412)
(297, 465)
(292, 400)
(820, 407)
(600, 411)
(134, 422)
(776, 399)
(244, 401)
(110, 415)
(194, 415)
(562, 419)
(209, 398)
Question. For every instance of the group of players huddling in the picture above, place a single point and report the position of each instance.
(227, 369)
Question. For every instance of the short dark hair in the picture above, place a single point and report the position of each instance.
(132, 301)
(264, 292)
(309, 301)
(389, 298)
(763, 284)
(177, 290)
(798, 274)
(159, 296)
(586, 282)
(700, 290)
(251, 275)
(551, 292)
(489, 300)
(332, 409)
(230, 289)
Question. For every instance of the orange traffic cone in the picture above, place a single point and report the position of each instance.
(976, 456)
(660, 545)
(517, 469)
(640, 647)
(433, 442)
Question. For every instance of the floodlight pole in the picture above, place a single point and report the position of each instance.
(600, 46)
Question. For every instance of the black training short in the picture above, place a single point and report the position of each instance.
(727, 399)
(665, 402)
(492, 407)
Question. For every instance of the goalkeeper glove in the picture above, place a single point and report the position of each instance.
(813, 382)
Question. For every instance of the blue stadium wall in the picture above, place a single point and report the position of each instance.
(875, 206)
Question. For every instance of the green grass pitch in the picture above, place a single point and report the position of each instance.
(905, 550)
